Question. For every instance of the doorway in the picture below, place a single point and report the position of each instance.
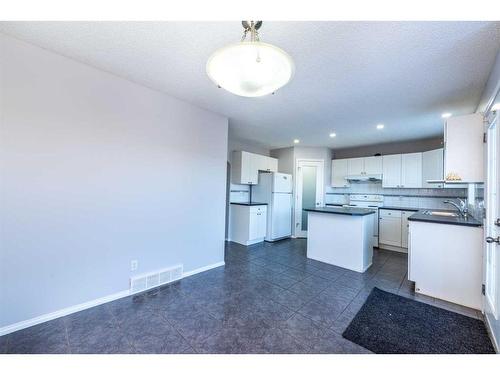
(309, 188)
(492, 228)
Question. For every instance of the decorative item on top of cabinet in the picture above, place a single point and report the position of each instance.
(464, 149)
(245, 167)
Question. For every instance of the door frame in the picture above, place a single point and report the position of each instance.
(492, 177)
(320, 191)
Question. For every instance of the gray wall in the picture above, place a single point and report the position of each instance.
(96, 171)
(389, 148)
(243, 145)
(285, 158)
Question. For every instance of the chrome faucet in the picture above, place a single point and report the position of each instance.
(461, 208)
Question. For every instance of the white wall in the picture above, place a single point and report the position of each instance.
(96, 171)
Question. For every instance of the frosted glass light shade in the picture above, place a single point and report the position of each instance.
(250, 68)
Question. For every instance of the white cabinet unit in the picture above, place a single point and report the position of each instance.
(248, 223)
(445, 262)
(373, 165)
(389, 228)
(355, 166)
(402, 171)
(464, 148)
(364, 166)
(393, 229)
(432, 168)
(391, 175)
(411, 170)
(245, 167)
(339, 173)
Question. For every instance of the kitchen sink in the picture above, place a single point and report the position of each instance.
(441, 213)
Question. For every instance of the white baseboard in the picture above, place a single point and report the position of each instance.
(86, 305)
(60, 313)
(203, 269)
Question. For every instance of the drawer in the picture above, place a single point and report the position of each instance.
(254, 209)
(390, 213)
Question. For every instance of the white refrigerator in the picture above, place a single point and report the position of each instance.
(275, 189)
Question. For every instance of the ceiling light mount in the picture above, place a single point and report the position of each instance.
(250, 68)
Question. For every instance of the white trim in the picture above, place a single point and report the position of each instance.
(203, 269)
(490, 333)
(87, 305)
(60, 313)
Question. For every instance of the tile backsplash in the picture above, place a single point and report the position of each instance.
(414, 198)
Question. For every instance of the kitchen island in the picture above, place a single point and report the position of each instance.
(341, 236)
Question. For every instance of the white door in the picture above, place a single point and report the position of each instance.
(339, 173)
(355, 166)
(411, 170)
(309, 191)
(492, 229)
(391, 171)
(373, 165)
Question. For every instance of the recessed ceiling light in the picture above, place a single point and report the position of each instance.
(333, 135)
(296, 141)
(380, 126)
(496, 107)
(446, 115)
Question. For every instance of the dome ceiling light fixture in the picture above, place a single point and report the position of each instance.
(250, 68)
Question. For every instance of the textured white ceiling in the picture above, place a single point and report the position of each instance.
(349, 75)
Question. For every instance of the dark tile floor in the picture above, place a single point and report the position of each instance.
(268, 298)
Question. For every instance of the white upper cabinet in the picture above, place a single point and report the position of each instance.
(432, 168)
(355, 166)
(245, 167)
(373, 165)
(391, 175)
(339, 172)
(463, 148)
(364, 166)
(402, 171)
(411, 170)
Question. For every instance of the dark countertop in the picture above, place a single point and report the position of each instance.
(458, 220)
(353, 211)
(249, 203)
(399, 208)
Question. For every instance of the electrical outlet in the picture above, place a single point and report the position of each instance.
(134, 264)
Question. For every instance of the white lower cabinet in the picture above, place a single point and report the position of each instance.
(389, 228)
(393, 229)
(445, 262)
(248, 224)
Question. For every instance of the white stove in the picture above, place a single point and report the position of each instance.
(373, 201)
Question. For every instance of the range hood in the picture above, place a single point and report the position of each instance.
(364, 178)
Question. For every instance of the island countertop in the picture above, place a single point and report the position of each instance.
(353, 211)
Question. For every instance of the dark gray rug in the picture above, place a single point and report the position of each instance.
(388, 323)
